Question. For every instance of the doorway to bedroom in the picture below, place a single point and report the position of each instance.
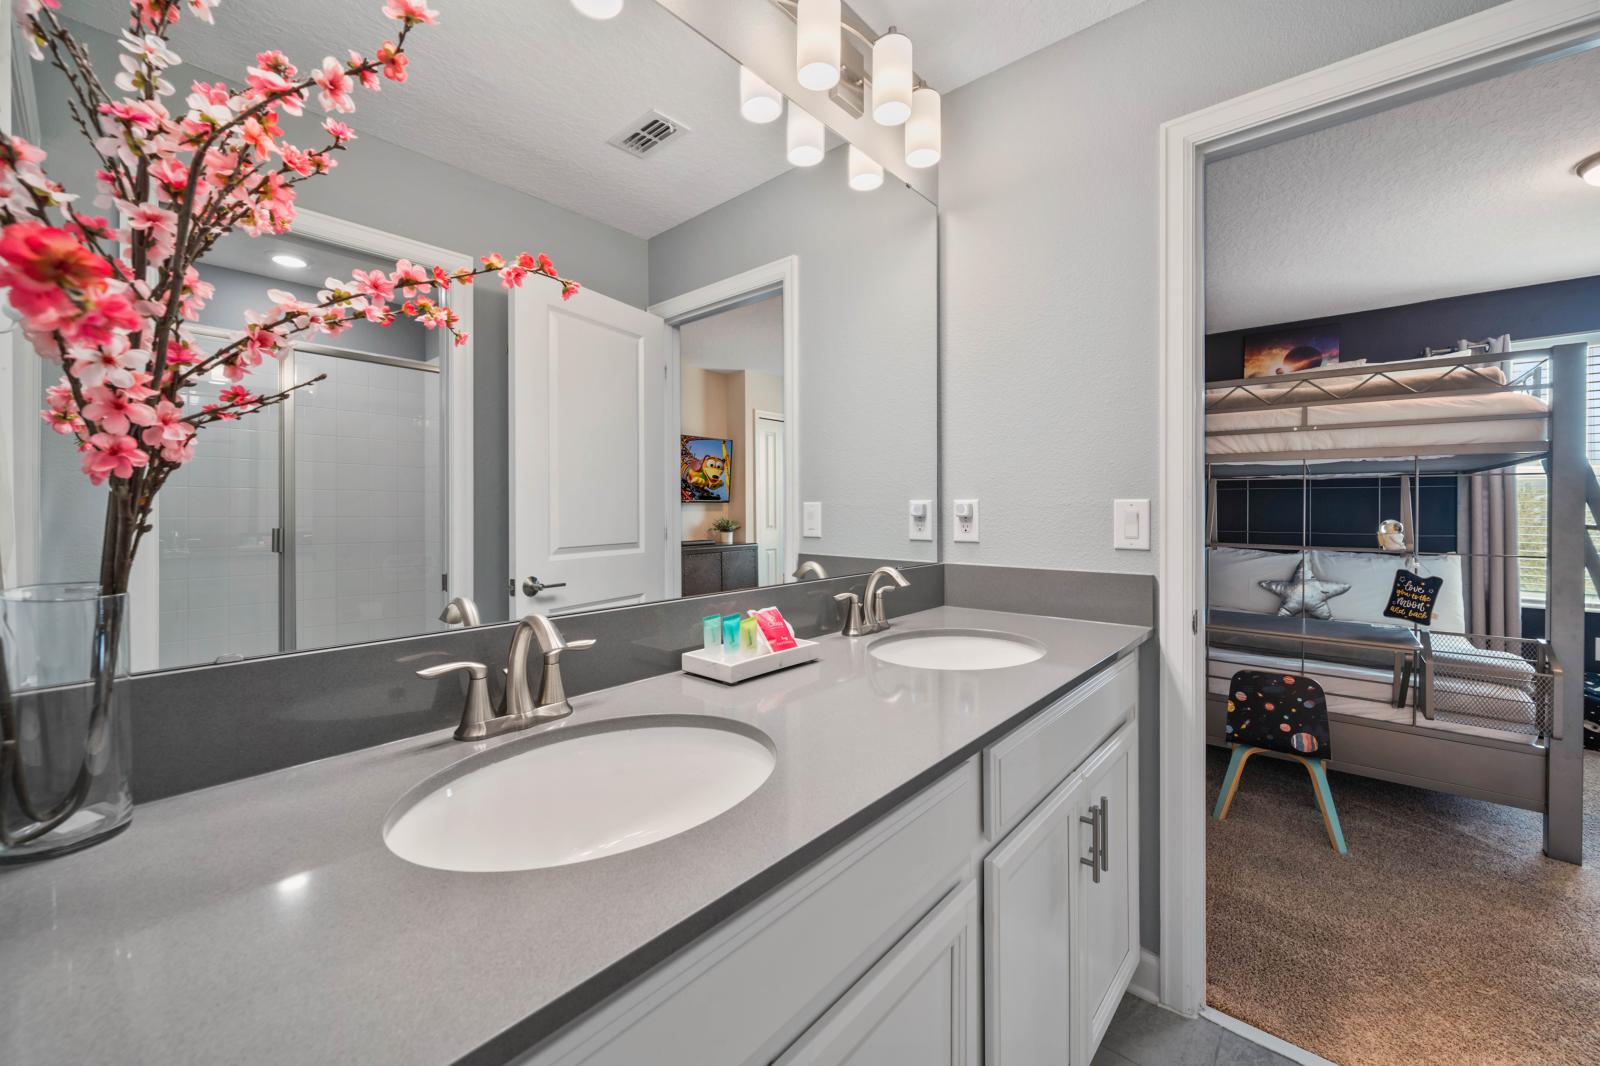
(1402, 398)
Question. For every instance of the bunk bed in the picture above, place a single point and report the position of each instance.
(1496, 717)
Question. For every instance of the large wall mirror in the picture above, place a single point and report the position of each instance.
(754, 347)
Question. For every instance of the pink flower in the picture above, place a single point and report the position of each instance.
(160, 223)
(45, 257)
(546, 267)
(194, 294)
(112, 455)
(569, 289)
(178, 451)
(511, 277)
(409, 278)
(168, 426)
(394, 61)
(107, 312)
(340, 133)
(336, 86)
(261, 133)
(201, 9)
(239, 397)
(66, 422)
(494, 260)
(360, 67)
(411, 12)
(375, 284)
(104, 366)
(113, 412)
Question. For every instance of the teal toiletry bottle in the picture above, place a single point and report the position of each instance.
(711, 632)
(730, 634)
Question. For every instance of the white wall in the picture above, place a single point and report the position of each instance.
(1048, 203)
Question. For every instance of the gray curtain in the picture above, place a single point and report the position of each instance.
(1486, 535)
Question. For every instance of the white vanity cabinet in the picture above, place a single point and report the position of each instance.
(963, 927)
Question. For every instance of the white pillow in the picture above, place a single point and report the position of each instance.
(1370, 576)
(1236, 571)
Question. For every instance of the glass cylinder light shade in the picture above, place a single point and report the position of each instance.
(891, 79)
(924, 137)
(599, 9)
(816, 53)
(758, 101)
(865, 173)
(805, 138)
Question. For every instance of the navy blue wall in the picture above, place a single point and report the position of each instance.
(1402, 332)
(1343, 513)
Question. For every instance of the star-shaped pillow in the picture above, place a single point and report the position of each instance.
(1305, 593)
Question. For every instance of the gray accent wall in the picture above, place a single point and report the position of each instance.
(868, 338)
(1048, 195)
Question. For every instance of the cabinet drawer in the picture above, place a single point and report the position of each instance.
(752, 986)
(1023, 767)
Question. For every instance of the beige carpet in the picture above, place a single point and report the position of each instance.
(1443, 939)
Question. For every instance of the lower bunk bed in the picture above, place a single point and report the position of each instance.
(1459, 713)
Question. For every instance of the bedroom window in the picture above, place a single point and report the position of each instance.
(1531, 502)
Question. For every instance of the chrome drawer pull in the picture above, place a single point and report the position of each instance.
(1096, 854)
(1105, 833)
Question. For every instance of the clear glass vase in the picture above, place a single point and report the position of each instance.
(67, 753)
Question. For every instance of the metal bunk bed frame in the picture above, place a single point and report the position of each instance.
(1545, 775)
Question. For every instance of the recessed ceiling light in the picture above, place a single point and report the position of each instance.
(599, 9)
(1589, 169)
(293, 262)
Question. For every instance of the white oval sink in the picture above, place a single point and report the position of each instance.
(579, 797)
(956, 649)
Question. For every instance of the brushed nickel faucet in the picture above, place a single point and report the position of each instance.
(810, 568)
(870, 617)
(518, 709)
(460, 611)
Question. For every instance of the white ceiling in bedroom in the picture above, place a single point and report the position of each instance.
(1469, 191)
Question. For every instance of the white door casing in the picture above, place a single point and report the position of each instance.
(768, 489)
(588, 385)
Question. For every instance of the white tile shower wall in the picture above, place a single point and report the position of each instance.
(219, 575)
(367, 539)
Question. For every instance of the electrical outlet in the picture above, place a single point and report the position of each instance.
(811, 519)
(919, 520)
(965, 526)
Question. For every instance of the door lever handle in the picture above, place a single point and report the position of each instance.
(533, 586)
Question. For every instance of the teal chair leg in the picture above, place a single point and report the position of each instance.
(1330, 814)
(1230, 780)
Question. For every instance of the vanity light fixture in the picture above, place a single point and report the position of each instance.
(924, 132)
(599, 9)
(1589, 169)
(758, 101)
(891, 78)
(805, 138)
(817, 44)
(293, 262)
(865, 173)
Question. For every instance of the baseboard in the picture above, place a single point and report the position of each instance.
(1146, 983)
(1264, 1039)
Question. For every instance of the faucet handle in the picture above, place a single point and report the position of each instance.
(855, 622)
(476, 712)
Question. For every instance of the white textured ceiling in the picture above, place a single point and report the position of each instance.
(1469, 191)
(525, 94)
(956, 41)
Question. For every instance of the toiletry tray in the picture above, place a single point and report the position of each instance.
(712, 664)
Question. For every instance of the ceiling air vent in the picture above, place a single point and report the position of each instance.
(646, 136)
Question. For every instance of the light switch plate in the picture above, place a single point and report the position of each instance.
(811, 519)
(964, 520)
(919, 520)
(1130, 524)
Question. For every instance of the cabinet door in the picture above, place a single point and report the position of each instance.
(702, 573)
(1028, 938)
(919, 1004)
(1106, 907)
(739, 568)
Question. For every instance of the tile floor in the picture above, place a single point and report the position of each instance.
(1145, 1035)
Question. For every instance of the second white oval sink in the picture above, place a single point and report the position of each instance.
(580, 797)
(956, 649)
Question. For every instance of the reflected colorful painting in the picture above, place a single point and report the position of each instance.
(707, 469)
(1290, 351)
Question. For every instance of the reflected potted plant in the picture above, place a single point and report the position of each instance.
(723, 529)
(106, 298)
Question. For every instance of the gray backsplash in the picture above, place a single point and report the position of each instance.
(209, 725)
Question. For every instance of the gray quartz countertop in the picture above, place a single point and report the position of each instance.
(265, 921)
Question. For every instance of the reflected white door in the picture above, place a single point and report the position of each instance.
(588, 397)
(768, 489)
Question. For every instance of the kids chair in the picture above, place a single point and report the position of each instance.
(1285, 714)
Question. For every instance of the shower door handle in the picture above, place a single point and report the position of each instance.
(277, 540)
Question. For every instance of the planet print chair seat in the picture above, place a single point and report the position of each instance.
(1286, 714)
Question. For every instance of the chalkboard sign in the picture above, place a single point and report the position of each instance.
(1413, 597)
